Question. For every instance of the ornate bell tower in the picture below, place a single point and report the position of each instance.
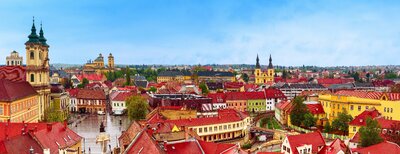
(37, 67)
(110, 61)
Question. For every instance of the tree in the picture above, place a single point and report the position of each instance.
(356, 76)
(204, 89)
(368, 76)
(84, 83)
(298, 112)
(341, 123)
(327, 127)
(394, 135)
(52, 115)
(390, 75)
(309, 120)
(153, 89)
(245, 77)
(370, 134)
(137, 107)
(284, 74)
(127, 76)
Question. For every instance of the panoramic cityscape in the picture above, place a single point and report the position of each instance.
(191, 77)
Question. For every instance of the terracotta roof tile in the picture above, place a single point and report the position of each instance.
(314, 138)
(361, 119)
(383, 147)
(10, 91)
(91, 94)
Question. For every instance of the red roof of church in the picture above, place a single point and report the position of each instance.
(11, 91)
(13, 73)
(383, 147)
(314, 138)
(361, 119)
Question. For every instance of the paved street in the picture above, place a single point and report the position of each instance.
(88, 128)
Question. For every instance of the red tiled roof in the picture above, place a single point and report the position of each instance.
(383, 147)
(73, 92)
(224, 116)
(13, 73)
(315, 139)
(274, 93)
(247, 87)
(285, 105)
(236, 96)
(90, 77)
(143, 144)
(14, 129)
(57, 137)
(315, 108)
(384, 83)
(191, 147)
(217, 97)
(335, 147)
(369, 95)
(269, 152)
(244, 95)
(10, 91)
(385, 123)
(122, 96)
(20, 144)
(360, 120)
(233, 84)
(216, 148)
(91, 94)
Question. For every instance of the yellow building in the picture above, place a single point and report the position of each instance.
(37, 67)
(18, 102)
(355, 102)
(97, 66)
(264, 76)
(180, 76)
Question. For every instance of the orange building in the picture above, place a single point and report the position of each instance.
(18, 102)
(236, 100)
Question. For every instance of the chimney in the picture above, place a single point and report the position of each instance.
(165, 145)
(49, 126)
(190, 119)
(186, 133)
(65, 125)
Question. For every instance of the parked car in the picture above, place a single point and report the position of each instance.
(101, 113)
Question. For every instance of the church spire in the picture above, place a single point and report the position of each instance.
(33, 37)
(270, 62)
(42, 39)
(258, 62)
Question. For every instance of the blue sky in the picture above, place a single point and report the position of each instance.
(322, 33)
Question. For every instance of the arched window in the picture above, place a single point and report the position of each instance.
(32, 78)
(32, 55)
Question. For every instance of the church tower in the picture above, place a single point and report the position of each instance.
(110, 61)
(265, 76)
(270, 70)
(37, 67)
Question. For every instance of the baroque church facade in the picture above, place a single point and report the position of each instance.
(37, 67)
(264, 76)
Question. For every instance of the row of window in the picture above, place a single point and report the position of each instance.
(16, 107)
(119, 104)
(388, 110)
(219, 128)
(287, 149)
